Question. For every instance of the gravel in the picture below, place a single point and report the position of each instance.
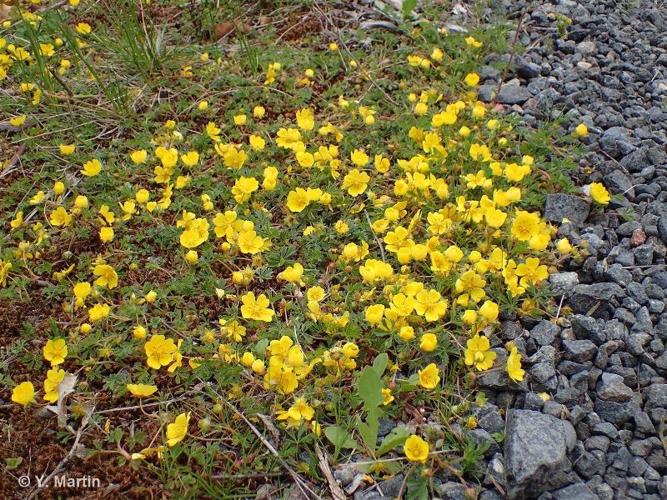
(604, 368)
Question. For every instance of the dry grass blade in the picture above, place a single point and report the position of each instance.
(300, 482)
(336, 492)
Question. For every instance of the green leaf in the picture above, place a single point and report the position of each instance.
(369, 387)
(13, 462)
(369, 429)
(380, 363)
(395, 438)
(340, 438)
(417, 487)
(408, 7)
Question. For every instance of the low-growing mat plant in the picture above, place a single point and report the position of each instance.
(240, 264)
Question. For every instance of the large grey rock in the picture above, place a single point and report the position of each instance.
(577, 491)
(513, 94)
(656, 396)
(615, 141)
(565, 206)
(536, 449)
(584, 297)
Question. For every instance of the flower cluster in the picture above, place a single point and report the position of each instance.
(281, 251)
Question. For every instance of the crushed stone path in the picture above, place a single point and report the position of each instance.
(602, 433)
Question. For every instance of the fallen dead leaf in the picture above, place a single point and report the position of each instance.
(222, 29)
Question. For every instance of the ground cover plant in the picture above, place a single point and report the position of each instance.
(246, 248)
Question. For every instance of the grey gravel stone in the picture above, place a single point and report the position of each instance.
(579, 350)
(536, 448)
(565, 206)
(577, 491)
(544, 333)
(452, 490)
(612, 388)
(563, 283)
(513, 94)
(584, 297)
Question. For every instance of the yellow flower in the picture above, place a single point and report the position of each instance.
(91, 168)
(428, 342)
(141, 390)
(55, 351)
(514, 369)
(177, 430)
(202, 106)
(17, 121)
(139, 332)
(24, 393)
(431, 305)
(213, 131)
(406, 333)
(98, 312)
(60, 217)
(256, 308)
(37, 198)
(359, 158)
(305, 119)
(478, 353)
(292, 274)
(83, 28)
(297, 200)
(563, 245)
(581, 130)
(525, 225)
(195, 234)
(159, 351)
(249, 242)
(387, 396)
(67, 149)
(355, 182)
(471, 79)
(489, 311)
(106, 234)
(600, 194)
(429, 377)
(240, 119)
(257, 143)
(4, 272)
(81, 292)
(305, 159)
(374, 313)
(151, 296)
(52, 384)
(106, 276)
(191, 257)
(416, 449)
(258, 111)
(472, 42)
(531, 272)
(300, 411)
(243, 188)
(190, 159)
